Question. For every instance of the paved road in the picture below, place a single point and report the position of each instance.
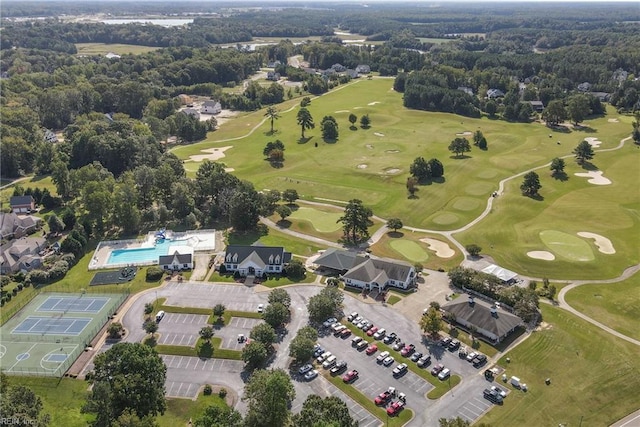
(631, 420)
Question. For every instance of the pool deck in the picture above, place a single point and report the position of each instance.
(199, 240)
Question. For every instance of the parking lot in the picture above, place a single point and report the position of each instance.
(473, 407)
(185, 375)
(237, 325)
(181, 329)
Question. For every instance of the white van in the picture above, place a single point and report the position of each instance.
(159, 316)
(331, 360)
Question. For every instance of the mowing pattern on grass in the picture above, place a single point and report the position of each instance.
(410, 250)
(324, 222)
(567, 245)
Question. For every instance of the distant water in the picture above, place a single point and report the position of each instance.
(161, 22)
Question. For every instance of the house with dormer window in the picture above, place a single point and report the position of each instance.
(255, 260)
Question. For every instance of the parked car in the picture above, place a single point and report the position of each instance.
(471, 356)
(462, 353)
(399, 370)
(362, 345)
(493, 396)
(384, 397)
(331, 360)
(345, 333)
(338, 329)
(368, 326)
(324, 356)
(416, 356)
(444, 374)
(388, 360)
(362, 324)
(318, 352)
(350, 376)
(330, 321)
(357, 320)
(408, 350)
(424, 361)
(372, 331)
(338, 367)
(501, 392)
(390, 338)
(379, 333)
(444, 342)
(398, 345)
(454, 345)
(355, 341)
(260, 308)
(371, 349)
(241, 338)
(395, 408)
(311, 375)
(479, 360)
(352, 316)
(436, 369)
(382, 356)
(304, 369)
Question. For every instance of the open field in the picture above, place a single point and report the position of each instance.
(594, 376)
(271, 237)
(119, 49)
(569, 207)
(408, 246)
(613, 304)
(41, 181)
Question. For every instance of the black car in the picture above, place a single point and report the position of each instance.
(454, 345)
(492, 396)
(479, 360)
(390, 338)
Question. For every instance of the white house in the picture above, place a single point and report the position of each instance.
(178, 260)
(50, 136)
(112, 55)
(211, 107)
(380, 273)
(255, 260)
(363, 69)
(495, 93)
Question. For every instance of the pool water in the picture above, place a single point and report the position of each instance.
(140, 255)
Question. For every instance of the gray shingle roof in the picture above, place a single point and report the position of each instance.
(262, 252)
(20, 200)
(479, 314)
(180, 258)
(379, 271)
(339, 259)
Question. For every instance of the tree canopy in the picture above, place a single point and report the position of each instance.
(356, 221)
(269, 395)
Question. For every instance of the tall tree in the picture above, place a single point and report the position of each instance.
(329, 128)
(281, 296)
(555, 113)
(127, 376)
(272, 114)
(21, 406)
(412, 186)
(219, 416)
(557, 167)
(436, 169)
(290, 195)
(420, 169)
(365, 121)
(431, 322)
(283, 211)
(206, 333)
(531, 184)
(356, 221)
(353, 119)
(578, 108)
(269, 395)
(330, 411)
(583, 152)
(395, 224)
(254, 354)
(275, 314)
(263, 333)
(459, 146)
(305, 121)
(125, 212)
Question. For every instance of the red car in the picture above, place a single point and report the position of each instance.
(372, 331)
(436, 369)
(350, 376)
(371, 349)
(395, 408)
(408, 350)
(345, 333)
(383, 398)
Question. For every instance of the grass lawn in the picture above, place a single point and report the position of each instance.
(613, 304)
(104, 48)
(594, 376)
(40, 181)
(393, 299)
(519, 224)
(202, 349)
(321, 219)
(270, 237)
(407, 245)
(180, 411)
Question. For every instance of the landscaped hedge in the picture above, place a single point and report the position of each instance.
(154, 274)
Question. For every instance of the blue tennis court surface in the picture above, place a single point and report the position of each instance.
(57, 358)
(73, 304)
(52, 326)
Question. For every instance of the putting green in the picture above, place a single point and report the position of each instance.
(324, 222)
(567, 245)
(487, 173)
(466, 203)
(410, 250)
(445, 218)
(479, 188)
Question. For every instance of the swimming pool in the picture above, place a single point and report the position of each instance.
(143, 255)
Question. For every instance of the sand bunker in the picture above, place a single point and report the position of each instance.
(369, 146)
(441, 249)
(362, 166)
(392, 171)
(594, 142)
(391, 151)
(543, 255)
(595, 177)
(378, 134)
(604, 245)
(465, 133)
(229, 169)
(374, 103)
(342, 111)
(613, 121)
(213, 154)
(357, 108)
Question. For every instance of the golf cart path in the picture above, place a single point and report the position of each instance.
(449, 235)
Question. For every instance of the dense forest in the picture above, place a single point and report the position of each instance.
(114, 113)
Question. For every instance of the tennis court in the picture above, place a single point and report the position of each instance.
(49, 333)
